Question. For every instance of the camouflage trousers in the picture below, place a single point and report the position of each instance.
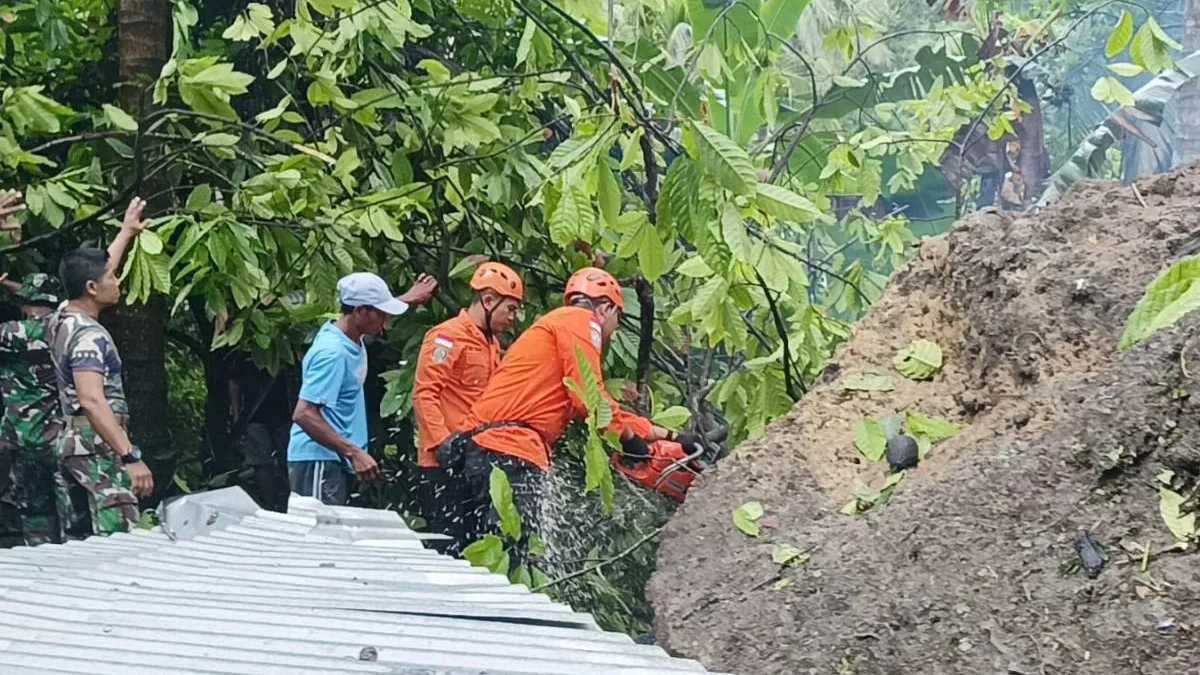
(94, 492)
(28, 502)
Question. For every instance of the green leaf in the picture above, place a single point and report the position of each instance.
(782, 203)
(150, 242)
(119, 119)
(488, 553)
(565, 218)
(1182, 525)
(695, 267)
(868, 382)
(928, 430)
(1161, 35)
(502, 500)
(786, 555)
(672, 418)
(1172, 295)
(735, 234)
(220, 140)
(919, 361)
(200, 197)
(609, 195)
(745, 518)
(870, 439)
(724, 160)
(1120, 37)
(1126, 69)
(598, 474)
(780, 18)
(1109, 90)
(526, 42)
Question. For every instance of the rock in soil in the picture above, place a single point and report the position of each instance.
(971, 566)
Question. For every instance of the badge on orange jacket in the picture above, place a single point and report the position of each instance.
(441, 349)
(596, 334)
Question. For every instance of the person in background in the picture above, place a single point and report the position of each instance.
(101, 472)
(328, 440)
(31, 419)
(457, 358)
(261, 409)
(527, 405)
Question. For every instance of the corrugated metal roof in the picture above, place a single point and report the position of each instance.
(224, 587)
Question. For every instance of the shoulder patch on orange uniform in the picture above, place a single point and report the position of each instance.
(441, 348)
(597, 334)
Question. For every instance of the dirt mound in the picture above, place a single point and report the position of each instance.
(968, 569)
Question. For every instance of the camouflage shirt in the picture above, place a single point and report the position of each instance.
(27, 384)
(82, 343)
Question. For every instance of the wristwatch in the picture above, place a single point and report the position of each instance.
(133, 456)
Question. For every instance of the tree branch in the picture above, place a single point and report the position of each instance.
(604, 563)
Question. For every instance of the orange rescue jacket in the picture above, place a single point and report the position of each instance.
(453, 368)
(528, 388)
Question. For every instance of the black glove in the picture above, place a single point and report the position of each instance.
(635, 446)
(690, 442)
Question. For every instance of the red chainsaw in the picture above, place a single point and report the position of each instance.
(670, 466)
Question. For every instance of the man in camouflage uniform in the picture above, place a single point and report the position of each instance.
(31, 421)
(100, 470)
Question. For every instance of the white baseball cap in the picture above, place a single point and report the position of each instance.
(364, 288)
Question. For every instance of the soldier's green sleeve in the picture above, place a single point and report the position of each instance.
(12, 339)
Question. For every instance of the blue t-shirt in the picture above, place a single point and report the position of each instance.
(332, 377)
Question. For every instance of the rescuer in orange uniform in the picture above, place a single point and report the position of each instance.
(457, 359)
(527, 406)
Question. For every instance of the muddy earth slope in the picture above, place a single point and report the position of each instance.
(972, 565)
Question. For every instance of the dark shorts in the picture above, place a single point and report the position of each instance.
(265, 450)
(327, 481)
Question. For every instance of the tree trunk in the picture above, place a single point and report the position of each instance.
(140, 330)
(1185, 117)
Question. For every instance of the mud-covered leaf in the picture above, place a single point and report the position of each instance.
(745, 518)
(870, 439)
(782, 584)
(1181, 524)
(785, 555)
(919, 361)
(868, 382)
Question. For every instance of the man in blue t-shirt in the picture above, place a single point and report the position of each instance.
(328, 442)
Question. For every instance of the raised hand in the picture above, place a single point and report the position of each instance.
(133, 216)
(421, 291)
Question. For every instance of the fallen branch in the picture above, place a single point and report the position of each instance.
(574, 575)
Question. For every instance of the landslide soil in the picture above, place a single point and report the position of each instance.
(971, 567)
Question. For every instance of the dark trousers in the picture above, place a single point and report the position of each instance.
(480, 518)
(265, 449)
(442, 507)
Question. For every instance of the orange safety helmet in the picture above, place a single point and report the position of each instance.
(493, 276)
(593, 282)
